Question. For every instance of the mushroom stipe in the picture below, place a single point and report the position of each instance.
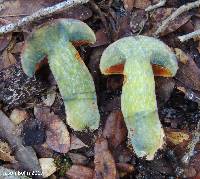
(55, 41)
(138, 99)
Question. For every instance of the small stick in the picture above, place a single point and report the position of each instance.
(190, 149)
(175, 14)
(152, 7)
(39, 14)
(189, 36)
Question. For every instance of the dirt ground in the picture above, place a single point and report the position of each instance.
(34, 135)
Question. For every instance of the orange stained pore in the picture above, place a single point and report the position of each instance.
(80, 42)
(41, 63)
(78, 57)
(161, 71)
(116, 69)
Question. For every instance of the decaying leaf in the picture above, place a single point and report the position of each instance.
(17, 116)
(105, 167)
(181, 55)
(58, 137)
(128, 4)
(176, 137)
(164, 88)
(189, 75)
(142, 4)
(79, 172)
(160, 14)
(7, 59)
(76, 143)
(50, 98)
(25, 155)
(5, 152)
(4, 39)
(115, 129)
(48, 166)
(78, 158)
(101, 38)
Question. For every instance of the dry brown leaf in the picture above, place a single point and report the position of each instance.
(17, 116)
(50, 98)
(177, 137)
(181, 55)
(7, 59)
(4, 39)
(189, 75)
(58, 137)
(48, 166)
(164, 88)
(17, 48)
(80, 172)
(115, 129)
(101, 38)
(161, 14)
(105, 167)
(78, 158)
(76, 143)
(5, 152)
(142, 4)
(128, 4)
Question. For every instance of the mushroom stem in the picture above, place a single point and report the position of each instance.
(139, 107)
(76, 87)
(138, 100)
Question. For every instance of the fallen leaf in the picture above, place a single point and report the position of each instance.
(128, 4)
(137, 20)
(5, 152)
(33, 132)
(142, 4)
(50, 98)
(78, 158)
(176, 137)
(164, 88)
(189, 74)
(115, 129)
(79, 172)
(101, 38)
(17, 48)
(160, 14)
(181, 55)
(105, 167)
(76, 143)
(58, 137)
(6, 38)
(48, 166)
(7, 59)
(17, 116)
(125, 167)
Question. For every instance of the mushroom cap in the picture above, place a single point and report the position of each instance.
(147, 47)
(43, 41)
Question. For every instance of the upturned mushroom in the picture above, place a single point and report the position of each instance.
(132, 57)
(55, 41)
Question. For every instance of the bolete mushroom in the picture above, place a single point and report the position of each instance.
(132, 57)
(75, 83)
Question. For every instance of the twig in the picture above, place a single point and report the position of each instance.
(152, 7)
(190, 149)
(25, 155)
(39, 14)
(175, 14)
(189, 36)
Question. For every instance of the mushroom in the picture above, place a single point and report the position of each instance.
(75, 83)
(132, 57)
